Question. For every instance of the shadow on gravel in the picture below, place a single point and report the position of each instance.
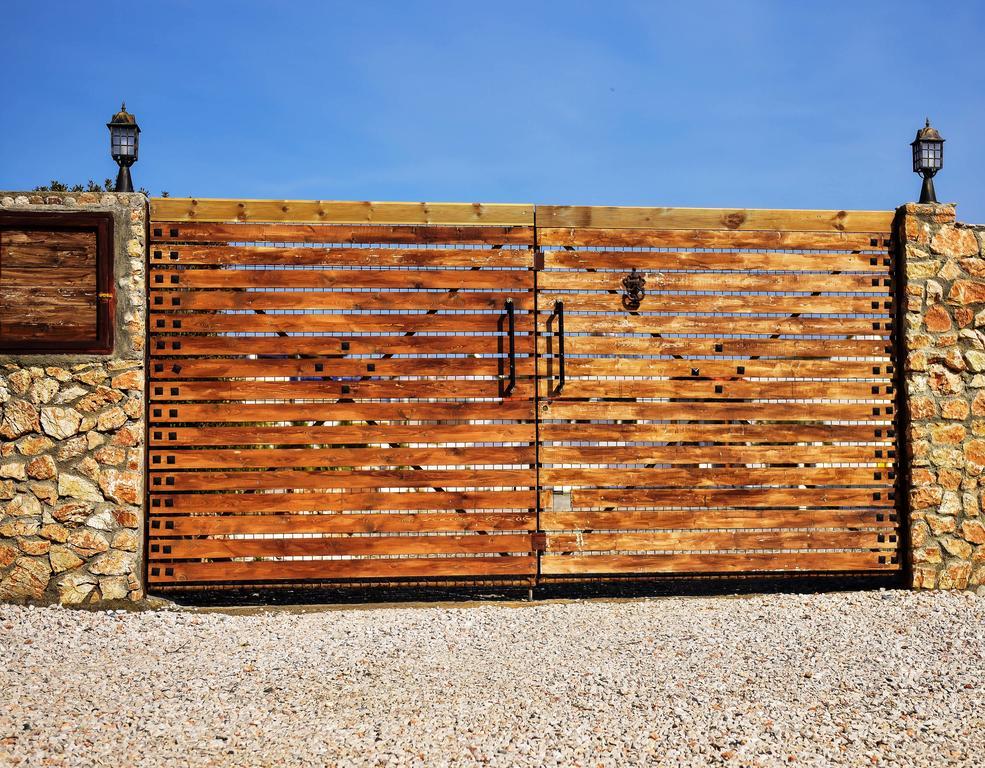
(601, 590)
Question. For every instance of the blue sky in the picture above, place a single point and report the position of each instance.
(716, 104)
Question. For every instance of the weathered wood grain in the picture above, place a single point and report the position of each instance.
(711, 219)
(339, 211)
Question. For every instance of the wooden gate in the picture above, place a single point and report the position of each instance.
(344, 394)
(717, 391)
(351, 393)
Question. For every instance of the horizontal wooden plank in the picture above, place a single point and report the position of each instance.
(330, 389)
(657, 260)
(322, 367)
(745, 434)
(366, 434)
(522, 410)
(718, 411)
(712, 454)
(695, 477)
(409, 522)
(749, 303)
(717, 562)
(668, 541)
(712, 281)
(734, 219)
(369, 300)
(718, 390)
(184, 232)
(338, 323)
(720, 345)
(256, 255)
(727, 369)
(284, 346)
(746, 324)
(323, 546)
(236, 458)
(700, 519)
(339, 211)
(368, 568)
(380, 279)
(876, 242)
(346, 501)
(342, 478)
(733, 497)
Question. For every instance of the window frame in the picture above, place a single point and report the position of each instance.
(102, 224)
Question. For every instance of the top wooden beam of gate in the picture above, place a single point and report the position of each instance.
(738, 219)
(340, 212)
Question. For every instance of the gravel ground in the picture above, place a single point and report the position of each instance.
(877, 678)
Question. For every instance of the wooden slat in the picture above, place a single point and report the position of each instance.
(713, 454)
(732, 497)
(746, 434)
(236, 458)
(704, 478)
(332, 345)
(792, 348)
(342, 411)
(727, 369)
(354, 546)
(183, 232)
(751, 304)
(323, 367)
(425, 522)
(340, 478)
(877, 242)
(213, 255)
(700, 519)
(717, 562)
(366, 434)
(339, 212)
(380, 279)
(715, 540)
(720, 411)
(368, 300)
(646, 324)
(657, 260)
(338, 323)
(711, 281)
(370, 568)
(344, 502)
(733, 219)
(328, 389)
(722, 390)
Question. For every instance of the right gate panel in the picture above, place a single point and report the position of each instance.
(738, 416)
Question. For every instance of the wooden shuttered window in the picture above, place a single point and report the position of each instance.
(56, 282)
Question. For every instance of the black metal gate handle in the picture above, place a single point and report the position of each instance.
(512, 330)
(559, 314)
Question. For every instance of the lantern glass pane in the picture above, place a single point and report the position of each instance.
(123, 141)
(932, 153)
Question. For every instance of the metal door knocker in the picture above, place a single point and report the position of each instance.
(634, 284)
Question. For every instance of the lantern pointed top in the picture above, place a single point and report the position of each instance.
(123, 117)
(928, 132)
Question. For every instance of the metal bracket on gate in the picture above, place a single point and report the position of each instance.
(635, 286)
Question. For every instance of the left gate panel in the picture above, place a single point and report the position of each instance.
(342, 402)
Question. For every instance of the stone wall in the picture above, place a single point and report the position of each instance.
(945, 382)
(71, 440)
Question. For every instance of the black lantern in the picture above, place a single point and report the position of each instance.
(124, 134)
(928, 159)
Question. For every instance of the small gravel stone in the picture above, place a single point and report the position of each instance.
(887, 678)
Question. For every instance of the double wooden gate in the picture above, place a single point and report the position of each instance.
(386, 392)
